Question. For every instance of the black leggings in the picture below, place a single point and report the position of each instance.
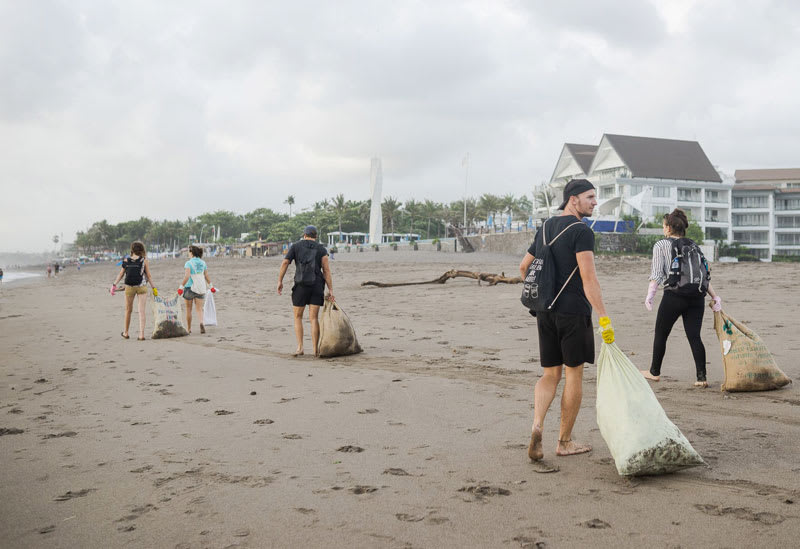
(691, 309)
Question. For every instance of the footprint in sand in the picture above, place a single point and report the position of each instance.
(292, 436)
(10, 431)
(595, 523)
(396, 472)
(482, 491)
(360, 489)
(222, 412)
(742, 513)
(529, 543)
(544, 467)
(142, 469)
(369, 411)
(67, 434)
(263, 422)
(72, 495)
(350, 449)
(409, 518)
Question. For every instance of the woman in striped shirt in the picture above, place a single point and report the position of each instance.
(674, 305)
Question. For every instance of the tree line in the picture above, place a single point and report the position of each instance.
(427, 218)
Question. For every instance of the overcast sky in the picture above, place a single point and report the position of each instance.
(115, 110)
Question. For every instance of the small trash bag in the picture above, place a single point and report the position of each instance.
(209, 310)
(336, 335)
(748, 364)
(640, 436)
(167, 316)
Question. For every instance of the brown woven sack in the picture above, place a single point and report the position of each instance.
(336, 335)
(749, 366)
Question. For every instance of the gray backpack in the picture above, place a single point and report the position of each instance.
(689, 273)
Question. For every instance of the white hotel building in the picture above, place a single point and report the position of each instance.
(649, 177)
(766, 211)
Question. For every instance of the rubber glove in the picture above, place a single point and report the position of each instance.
(113, 289)
(180, 290)
(717, 304)
(651, 294)
(606, 332)
(155, 291)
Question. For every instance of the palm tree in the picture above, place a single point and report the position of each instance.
(488, 204)
(391, 209)
(339, 207)
(429, 210)
(289, 200)
(523, 206)
(412, 208)
(544, 198)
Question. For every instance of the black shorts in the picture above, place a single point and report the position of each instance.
(308, 295)
(565, 339)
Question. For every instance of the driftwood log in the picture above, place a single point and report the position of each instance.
(491, 278)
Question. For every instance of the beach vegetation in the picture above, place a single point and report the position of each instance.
(427, 218)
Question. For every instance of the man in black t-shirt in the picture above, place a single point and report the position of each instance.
(566, 337)
(313, 293)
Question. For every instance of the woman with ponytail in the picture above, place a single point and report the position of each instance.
(675, 305)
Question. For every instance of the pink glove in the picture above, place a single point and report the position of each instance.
(651, 293)
(113, 289)
(717, 306)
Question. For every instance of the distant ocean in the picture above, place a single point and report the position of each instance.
(18, 275)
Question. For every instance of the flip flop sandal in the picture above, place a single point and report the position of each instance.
(124, 336)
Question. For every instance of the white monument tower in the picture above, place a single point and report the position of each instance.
(375, 213)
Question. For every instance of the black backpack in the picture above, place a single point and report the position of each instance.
(689, 273)
(134, 271)
(539, 287)
(305, 258)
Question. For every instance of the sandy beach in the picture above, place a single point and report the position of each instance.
(225, 440)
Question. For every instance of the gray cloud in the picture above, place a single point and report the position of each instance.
(195, 106)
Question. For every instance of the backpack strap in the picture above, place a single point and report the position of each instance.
(573, 270)
(544, 235)
(562, 287)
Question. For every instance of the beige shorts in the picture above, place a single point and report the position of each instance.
(133, 290)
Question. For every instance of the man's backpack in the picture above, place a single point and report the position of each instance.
(305, 258)
(689, 273)
(539, 287)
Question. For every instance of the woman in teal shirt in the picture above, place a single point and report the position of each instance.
(194, 291)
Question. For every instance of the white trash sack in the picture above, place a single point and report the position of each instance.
(209, 310)
(640, 436)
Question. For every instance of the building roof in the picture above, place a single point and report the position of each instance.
(766, 187)
(653, 157)
(778, 174)
(583, 154)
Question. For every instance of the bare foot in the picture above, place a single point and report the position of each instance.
(298, 352)
(701, 384)
(570, 448)
(648, 375)
(535, 447)
(202, 329)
